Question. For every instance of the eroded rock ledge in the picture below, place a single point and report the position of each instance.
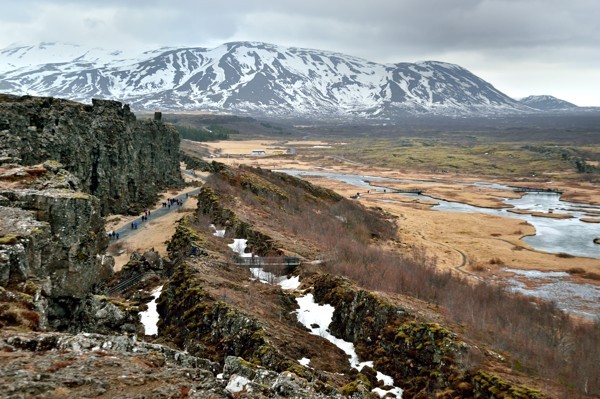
(118, 366)
(123, 161)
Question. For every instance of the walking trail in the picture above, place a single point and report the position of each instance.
(153, 233)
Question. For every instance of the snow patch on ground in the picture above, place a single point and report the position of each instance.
(217, 233)
(304, 361)
(264, 277)
(239, 246)
(317, 318)
(291, 283)
(149, 318)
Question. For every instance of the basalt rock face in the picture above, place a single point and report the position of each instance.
(122, 161)
(58, 236)
(51, 239)
(424, 358)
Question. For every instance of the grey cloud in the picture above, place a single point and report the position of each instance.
(486, 34)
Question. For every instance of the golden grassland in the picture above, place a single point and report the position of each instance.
(470, 242)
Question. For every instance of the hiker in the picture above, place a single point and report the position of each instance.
(116, 236)
(132, 225)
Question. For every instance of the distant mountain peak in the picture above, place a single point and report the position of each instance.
(252, 78)
(547, 103)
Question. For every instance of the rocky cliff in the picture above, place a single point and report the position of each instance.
(52, 240)
(428, 359)
(122, 161)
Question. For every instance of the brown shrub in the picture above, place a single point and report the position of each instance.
(564, 255)
(477, 267)
(576, 270)
(496, 261)
(542, 339)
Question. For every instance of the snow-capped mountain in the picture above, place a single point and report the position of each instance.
(548, 103)
(252, 78)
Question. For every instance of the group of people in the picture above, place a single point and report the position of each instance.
(172, 201)
(145, 215)
(113, 235)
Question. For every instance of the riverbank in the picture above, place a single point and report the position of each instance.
(486, 241)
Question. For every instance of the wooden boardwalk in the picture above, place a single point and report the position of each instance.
(537, 190)
(262, 261)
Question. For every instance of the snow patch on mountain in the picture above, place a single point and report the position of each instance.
(252, 78)
(548, 103)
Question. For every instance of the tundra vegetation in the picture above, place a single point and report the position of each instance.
(534, 338)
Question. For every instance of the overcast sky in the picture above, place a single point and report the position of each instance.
(522, 47)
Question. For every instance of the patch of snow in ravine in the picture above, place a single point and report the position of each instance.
(291, 283)
(217, 233)
(149, 318)
(304, 361)
(239, 246)
(317, 318)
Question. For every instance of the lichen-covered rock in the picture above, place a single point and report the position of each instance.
(59, 239)
(95, 314)
(91, 365)
(53, 238)
(118, 366)
(247, 380)
(122, 161)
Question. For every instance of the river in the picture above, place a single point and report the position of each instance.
(570, 236)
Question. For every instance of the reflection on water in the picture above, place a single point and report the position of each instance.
(570, 236)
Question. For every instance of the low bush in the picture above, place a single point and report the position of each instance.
(540, 337)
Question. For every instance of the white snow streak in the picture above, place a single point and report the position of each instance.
(149, 317)
(317, 318)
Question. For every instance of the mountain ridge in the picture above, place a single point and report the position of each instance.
(548, 103)
(256, 78)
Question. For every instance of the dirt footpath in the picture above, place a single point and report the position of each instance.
(153, 234)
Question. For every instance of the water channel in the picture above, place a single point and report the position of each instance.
(571, 236)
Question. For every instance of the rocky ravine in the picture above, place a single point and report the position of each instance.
(52, 268)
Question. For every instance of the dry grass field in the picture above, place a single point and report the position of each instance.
(473, 243)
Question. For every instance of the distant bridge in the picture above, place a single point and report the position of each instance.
(537, 190)
(262, 261)
(389, 191)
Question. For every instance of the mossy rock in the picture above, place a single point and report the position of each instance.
(9, 239)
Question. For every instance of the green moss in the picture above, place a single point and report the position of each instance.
(359, 385)
(9, 239)
(80, 195)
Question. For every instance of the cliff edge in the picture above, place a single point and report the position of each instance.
(122, 161)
